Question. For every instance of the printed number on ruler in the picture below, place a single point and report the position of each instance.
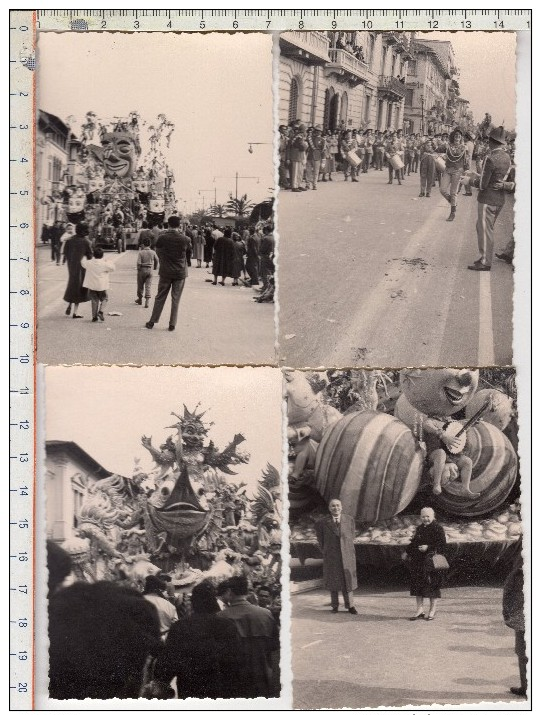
(21, 326)
(281, 20)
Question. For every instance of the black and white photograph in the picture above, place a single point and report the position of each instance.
(163, 520)
(397, 182)
(269, 371)
(405, 538)
(155, 183)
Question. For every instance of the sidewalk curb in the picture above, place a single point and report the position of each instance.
(303, 586)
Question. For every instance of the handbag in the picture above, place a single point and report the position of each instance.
(437, 562)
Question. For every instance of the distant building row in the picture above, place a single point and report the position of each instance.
(370, 80)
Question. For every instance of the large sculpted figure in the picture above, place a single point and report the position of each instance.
(159, 514)
(429, 399)
(120, 152)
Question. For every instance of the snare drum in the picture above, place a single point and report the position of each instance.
(396, 162)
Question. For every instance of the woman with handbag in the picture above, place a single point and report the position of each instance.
(427, 563)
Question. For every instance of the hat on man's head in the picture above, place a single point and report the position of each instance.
(498, 135)
(318, 128)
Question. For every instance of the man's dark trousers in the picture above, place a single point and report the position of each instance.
(176, 285)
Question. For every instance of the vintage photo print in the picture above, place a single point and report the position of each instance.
(154, 185)
(396, 198)
(163, 509)
(406, 548)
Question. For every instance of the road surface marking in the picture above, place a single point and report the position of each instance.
(371, 313)
(308, 645)
(486, 333)
(435, 351)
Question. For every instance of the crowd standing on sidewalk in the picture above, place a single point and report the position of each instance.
(245, 255)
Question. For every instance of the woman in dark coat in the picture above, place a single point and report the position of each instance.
(429, 539)
(74, 250)
(222, 259)
(202, 651)
(209, 247)
(238, 258)
(252, 256)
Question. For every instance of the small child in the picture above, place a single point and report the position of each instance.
(146, 261)
(97, 281)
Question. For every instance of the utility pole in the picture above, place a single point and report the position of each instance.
(237, 177)
(206, 191)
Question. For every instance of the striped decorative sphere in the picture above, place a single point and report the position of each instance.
(493, 475)
(500, 410)
(302, 498)
(372, 463)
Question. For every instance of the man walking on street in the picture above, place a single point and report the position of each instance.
(335, 534)
(171, 248)
(491, 197)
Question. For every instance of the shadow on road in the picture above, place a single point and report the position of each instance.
(326, 694)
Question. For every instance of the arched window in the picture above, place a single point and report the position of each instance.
(294, 94)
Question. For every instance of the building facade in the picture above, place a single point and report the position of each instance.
(353, 80)
(69, 472)
(52, 147)
(432, 88)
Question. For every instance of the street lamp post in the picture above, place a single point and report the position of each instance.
(237, 177)
(206, 191)
(252, 144)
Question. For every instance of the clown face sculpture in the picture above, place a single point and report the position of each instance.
(156, 204)
(76, 201)
(141, 185)
(439, 391)
(119, 154)
(97, 183)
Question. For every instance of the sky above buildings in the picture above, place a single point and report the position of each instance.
(106, 410)
(486, 61)
(216, 88)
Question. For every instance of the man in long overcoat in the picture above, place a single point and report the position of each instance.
(335, 534)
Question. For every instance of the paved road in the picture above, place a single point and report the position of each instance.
(217, 325)
(372, 275)
(380, 658)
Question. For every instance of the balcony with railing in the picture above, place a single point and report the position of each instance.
(392, 88)
(343, 63)
(305, 46)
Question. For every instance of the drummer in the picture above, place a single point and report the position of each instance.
(346, 145)
(401, 143)
(392, 154)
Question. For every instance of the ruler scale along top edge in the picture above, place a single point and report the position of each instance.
(281, 20)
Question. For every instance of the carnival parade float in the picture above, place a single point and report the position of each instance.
(387, 443)
(186, 517)
(118, 175)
